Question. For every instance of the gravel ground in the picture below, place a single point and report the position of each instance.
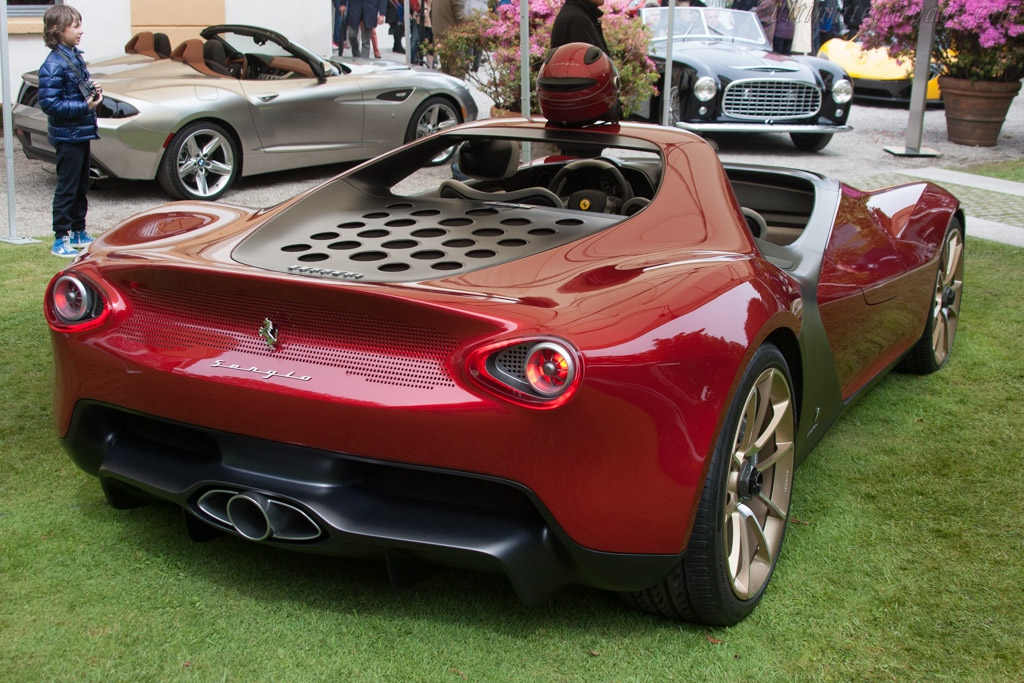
(857, 157)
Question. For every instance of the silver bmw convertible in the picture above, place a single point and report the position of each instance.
(243, 100)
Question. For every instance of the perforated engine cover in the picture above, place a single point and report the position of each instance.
(345, 234)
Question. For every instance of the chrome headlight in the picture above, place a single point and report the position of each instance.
(842, 91)
(705, 88)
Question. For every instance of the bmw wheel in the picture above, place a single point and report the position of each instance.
(744, 508)
(433, 115)
(201, 162)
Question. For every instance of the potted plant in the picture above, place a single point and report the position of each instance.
(493, 38)
(979, 44)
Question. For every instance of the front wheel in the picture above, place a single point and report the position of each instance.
(433, 115)
(811, 142)
(201, 162)
(741, 519)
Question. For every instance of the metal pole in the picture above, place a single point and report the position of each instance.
(5, 65)
(524, 68)
(524, 56)
(666, 97)
(408, 34)
(919, 90)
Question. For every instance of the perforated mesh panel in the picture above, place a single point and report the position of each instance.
(512, 361)
(405, 241)
(379, 350)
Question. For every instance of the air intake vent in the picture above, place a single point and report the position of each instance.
(409, 241)
(378, 350)
(512, 361)
(771, 99)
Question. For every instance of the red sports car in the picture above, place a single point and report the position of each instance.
(595, 358)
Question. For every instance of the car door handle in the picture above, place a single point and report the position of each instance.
(268, 97)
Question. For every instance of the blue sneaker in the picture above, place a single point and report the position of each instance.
(80, 238)
(62, 248)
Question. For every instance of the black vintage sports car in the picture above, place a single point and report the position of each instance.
(725, 78)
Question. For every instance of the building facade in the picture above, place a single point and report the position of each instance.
(109, 24)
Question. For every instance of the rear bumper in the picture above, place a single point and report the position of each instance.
(361, 507)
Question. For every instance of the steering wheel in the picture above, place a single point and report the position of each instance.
(238, 65)
(616, 198)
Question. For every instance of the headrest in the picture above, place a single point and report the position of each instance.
(213, 51)
(189, 51)
(192, 52)
(140, 43)
(162, 45)
(489, 159)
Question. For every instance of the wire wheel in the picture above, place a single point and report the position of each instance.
(949, 285)
(759, 485)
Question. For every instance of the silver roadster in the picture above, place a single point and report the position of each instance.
(243, 100)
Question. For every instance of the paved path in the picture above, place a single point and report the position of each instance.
(1002, 197)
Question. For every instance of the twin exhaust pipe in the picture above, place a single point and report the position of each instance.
(258, 517)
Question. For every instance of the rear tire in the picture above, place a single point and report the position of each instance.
(811, 142)
(933, 348)
(744, 508)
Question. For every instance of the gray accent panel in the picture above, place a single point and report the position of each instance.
(342, 233)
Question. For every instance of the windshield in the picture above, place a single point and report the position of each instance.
(705, 23)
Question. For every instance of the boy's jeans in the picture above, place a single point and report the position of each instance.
(69, 201)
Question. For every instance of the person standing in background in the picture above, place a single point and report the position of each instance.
(362, 16)
(338, 26)
(444, 15)
(579, 21)
(395, 20)
(69, 100)
(804, 29)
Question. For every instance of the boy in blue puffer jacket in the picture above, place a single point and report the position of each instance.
(69, 100)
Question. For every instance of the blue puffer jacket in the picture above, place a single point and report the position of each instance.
(66, 110)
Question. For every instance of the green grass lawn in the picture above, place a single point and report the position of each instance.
(905, 559)
(1007, 170)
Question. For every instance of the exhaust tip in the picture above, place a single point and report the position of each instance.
(247, 513)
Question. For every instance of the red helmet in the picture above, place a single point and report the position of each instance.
(577, 85)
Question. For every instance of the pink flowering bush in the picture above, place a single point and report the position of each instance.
(979, 40)
(495, 36)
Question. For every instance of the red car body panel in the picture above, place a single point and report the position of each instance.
(664, 310)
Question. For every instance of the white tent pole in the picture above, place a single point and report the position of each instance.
(666, 96)
(5, 66)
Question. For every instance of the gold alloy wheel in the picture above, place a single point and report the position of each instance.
(949, 284)
(759, 484)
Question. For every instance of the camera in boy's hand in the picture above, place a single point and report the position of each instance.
(90, 90)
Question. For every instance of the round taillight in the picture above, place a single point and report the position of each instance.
(550, 369)
(72, 300)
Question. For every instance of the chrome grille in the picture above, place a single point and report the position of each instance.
(378, 350)
(770, 99)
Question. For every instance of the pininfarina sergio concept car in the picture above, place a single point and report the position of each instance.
(596, 358)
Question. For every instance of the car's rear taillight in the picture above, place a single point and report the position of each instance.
(536, 373)
(74, 304)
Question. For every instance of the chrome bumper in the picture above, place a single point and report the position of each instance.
(760, 128)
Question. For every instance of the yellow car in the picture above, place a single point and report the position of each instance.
(876, 75)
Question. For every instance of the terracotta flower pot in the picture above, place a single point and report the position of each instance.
(975, 110)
